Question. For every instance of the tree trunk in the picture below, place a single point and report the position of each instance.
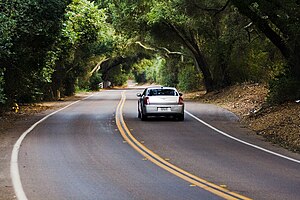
(285, 36)
(290, 47)
(207, 78)
(263, 25)
(69, 84)
(11, 84)
(191, 43)
(57, 79)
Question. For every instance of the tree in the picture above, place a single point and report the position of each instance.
(280, 22)
(49, 47)
(189, 81)
(179, 25)
(147, 70)
(85, 33)
(199, 30)
(30, 29)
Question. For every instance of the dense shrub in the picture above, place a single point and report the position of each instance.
(258, 61)
(147, 70)
(94, 81)
(117, 76)
(189, 79)
(168, 73)
(284, 88)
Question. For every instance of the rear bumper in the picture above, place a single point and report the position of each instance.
(163, 109)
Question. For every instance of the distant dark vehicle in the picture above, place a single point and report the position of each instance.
(160, 101)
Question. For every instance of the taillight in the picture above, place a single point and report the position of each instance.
(180, 101)
(146, 101)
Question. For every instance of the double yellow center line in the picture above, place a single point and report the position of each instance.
(156, 159)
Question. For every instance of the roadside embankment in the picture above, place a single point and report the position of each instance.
(278, 124)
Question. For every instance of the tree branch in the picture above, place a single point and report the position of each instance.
(262, 25)
(216, 10)
(185, 40)
(156, 50)
(98, 66)
(171, 52)
(145, 47)
(223, 8)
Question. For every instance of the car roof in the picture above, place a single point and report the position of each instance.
(161, 87)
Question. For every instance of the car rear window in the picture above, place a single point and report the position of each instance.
(162, 92)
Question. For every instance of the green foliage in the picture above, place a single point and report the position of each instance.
(168, 73)
(279, 22)
(166, 10)
(7, 25)
(127, 16)
(257, 61)
(284, 87)
(84, 34)
(146, 70)
(184, 76)
(200, 33)
(2, 95)
(53, 45)
(189, 81)
(117, 76)
(84, 22)
(140, 70)
(94, 81)
(29, 29)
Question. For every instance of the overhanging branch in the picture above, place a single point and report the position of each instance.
(145, 47)
(98, 66)
(171, 52)
(215, 10)
(168, 52)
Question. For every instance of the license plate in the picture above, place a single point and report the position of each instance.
(164, 109)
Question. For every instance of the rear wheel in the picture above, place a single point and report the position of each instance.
(143, 116)
(181, 117)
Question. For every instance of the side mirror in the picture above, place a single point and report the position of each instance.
(139, 95)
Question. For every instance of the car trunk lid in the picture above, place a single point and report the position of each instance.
(163, 99)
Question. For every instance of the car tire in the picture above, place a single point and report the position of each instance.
(143, 116)
(181, 117)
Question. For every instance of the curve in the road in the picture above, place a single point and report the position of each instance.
(156, 159)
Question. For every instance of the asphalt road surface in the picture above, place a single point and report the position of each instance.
(99, 149)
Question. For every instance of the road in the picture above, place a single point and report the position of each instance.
(99, 149)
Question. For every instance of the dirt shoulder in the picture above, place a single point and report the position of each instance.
(277, 124)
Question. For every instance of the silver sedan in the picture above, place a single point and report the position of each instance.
(160, 101)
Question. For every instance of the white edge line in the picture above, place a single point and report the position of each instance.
(14, 168)
(241, 141)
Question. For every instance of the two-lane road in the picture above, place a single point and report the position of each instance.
(81, 153)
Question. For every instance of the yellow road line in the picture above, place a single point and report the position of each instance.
(156, 159)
